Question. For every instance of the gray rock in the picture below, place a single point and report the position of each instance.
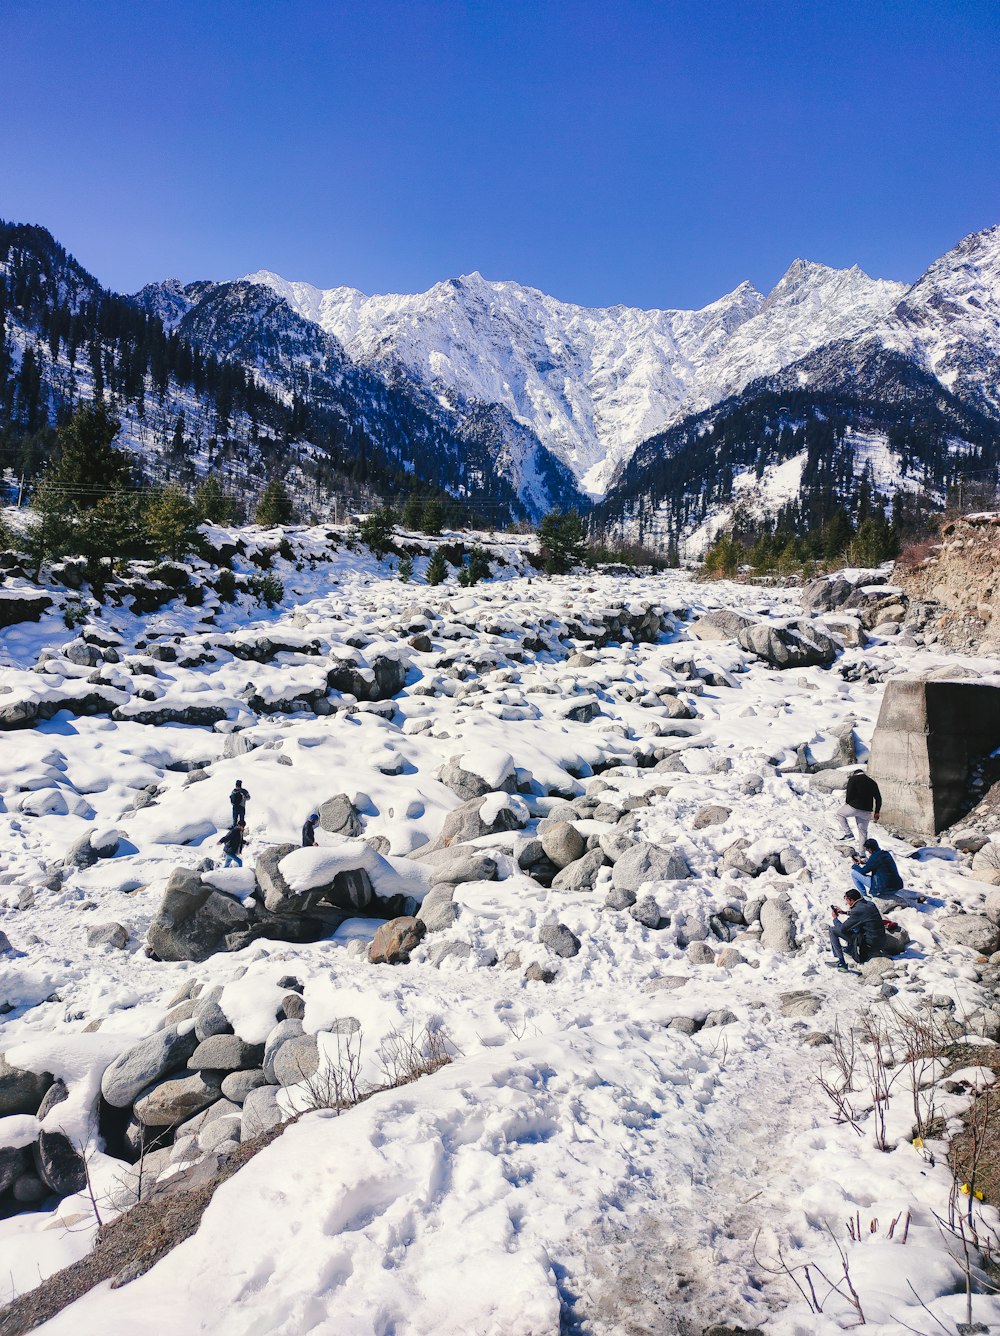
(876, 970)
(791, 861)
(683, 1025)
(260, 1112)
(561, 842)
(986, 866)
(467, 784)
(217, 1133)
(778, 924)
(177, 1098)
(56, 1094)
(800, 644)
(728, 958)
(536, 973)
(752, 784)
(146, 1062)
(438, 910)
(194, 920)
(237, 1085)
(976, 931)
(339, 816)
(29, 1190)
(210, 1019)
(296, 1060)
(439, 952)
(799, 1005)
(717, 1018)
(467, 823)
(666, 983)
(226, 1053)
(59, 1164)
(647, 912)
(614, 843)
(992, 907)
(722, 624)
(21, 1091)
(581, 875)
(617, 898)
(648, 862)
(281, 1034)
(14, 1161)
(700, 953)
(712, 815)
(459, 863)
(108, 934)
(559, 939)
(293, 1007)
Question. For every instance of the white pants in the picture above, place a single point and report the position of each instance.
(861, 820)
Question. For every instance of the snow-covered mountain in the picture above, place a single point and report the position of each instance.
(591, 383)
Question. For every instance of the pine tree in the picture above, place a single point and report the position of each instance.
(212, 505)
(376, 530)
(412, 512)
(405, 568)
(562, 541)
(88, 467)
(432, 517)
(274, 506)
(171, 523)
(437, 568)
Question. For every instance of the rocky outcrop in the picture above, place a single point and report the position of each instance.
(799, 644)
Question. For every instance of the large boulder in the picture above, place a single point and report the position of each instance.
(177, 1098)
(260, 1112)
(14, 1161)
(148, 1061)
(380, 679)
(722, 624)
(438, 910)
(195, 920)
(458, 863)
(91, 846)
(826, 594)
(976, 931)
(394, 940)
(491, 815)
(648, 862)
(326, 880)
(225, 1053)
(339, 816)
(476, 773)
(59, 1164)
(580, 875)
(560, 940)
(799, 644)
(562, 843)
(986, 866)
(777, 922)
(21, 1091)
(296, 1060)
(993, 907)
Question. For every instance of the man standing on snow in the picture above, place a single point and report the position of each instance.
(861, 930)
(238, 798)
(309, 831)
(232, 844)
(862, 802)
(879, 875)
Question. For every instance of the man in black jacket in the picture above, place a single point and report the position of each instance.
(861, 930)
(309, 831)
(862, 803)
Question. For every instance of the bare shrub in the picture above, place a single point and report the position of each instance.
(811, 1281)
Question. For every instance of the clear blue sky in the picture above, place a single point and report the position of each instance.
(652, 153)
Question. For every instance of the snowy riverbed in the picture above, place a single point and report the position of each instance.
(579, 1165)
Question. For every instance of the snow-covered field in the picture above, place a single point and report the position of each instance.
(584, 1163)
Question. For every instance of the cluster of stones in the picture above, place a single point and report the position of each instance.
(46, 1163)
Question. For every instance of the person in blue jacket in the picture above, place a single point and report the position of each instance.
(878, 874)
(861, 930)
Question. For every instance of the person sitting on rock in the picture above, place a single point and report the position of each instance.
(878, 875)
(232, 844)
(238, 798)
(861, 931)
(862, 803)
(309, 831)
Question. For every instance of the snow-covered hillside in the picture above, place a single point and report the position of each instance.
(630, 1130)
(592, 383)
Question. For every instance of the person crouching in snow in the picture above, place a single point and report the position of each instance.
(861, 930)
(232, 844)
(862, 803)
(878, 875)
(309, 831)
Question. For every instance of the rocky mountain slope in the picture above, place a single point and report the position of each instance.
(591, 383)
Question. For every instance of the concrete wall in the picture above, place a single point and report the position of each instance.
(928, 736)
